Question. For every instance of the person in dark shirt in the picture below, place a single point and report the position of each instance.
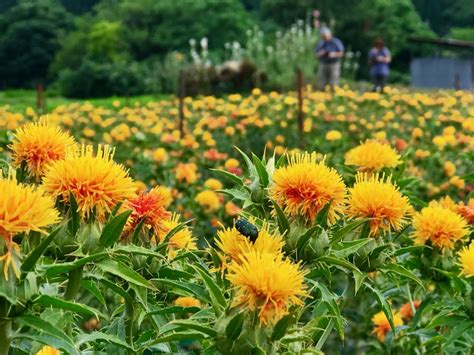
(379, 58)
(329, 52)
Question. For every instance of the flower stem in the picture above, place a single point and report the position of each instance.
(5, 327)
(129, 318)
(74, 283)
(410, 299)
(325, 335)
(346, 296)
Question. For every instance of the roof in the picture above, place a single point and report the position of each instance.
(449, 42)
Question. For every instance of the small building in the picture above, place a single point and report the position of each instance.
(447, 73)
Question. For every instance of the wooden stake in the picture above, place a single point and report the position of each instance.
(181, 95)
(299, 90)
(457, 82)
(40, 98)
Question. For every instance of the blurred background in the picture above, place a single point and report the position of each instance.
(101, 48)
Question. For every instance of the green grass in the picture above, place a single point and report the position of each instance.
(20, 100)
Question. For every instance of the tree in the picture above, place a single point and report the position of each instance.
(6, 4)
(285, 13)
(442, 15)
(463, 34)
(158, 27)
(30, 34)
(78, 7)
(94, 39)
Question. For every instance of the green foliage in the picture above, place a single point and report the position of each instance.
(289, 50)
(79, 7)
(6, 4)
(345, 251)
(441, 15)
(92, 79)
(286, 13)
(94, 40)
(30, 34)
(463, 34)
(130, 48)
(104, 42)
(158, 27)
(39, 43)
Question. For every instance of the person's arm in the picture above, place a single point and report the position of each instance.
(336, 54)
(388, 57)
(370, 57)
(320, 52)
(385, 57)
(339, 52)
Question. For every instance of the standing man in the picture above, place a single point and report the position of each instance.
(329, 52)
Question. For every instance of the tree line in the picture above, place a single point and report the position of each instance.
(103, 47)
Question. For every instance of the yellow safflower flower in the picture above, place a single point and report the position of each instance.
(48, 350)
(268, 284)
(439, 226)
(382, 325)
(187, 302)
(457, 182)
(449, 168)
(231, 163)
(213, 184)
(96, 181)
(160, 155)
(333, 135)
(209, 200)
(181, 240)
(373, 156)
(378, 200)
(39, 144)
(466, 260)
(305, 186)
(23, 209)
(186, 172)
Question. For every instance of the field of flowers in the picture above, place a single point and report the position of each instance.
(243, 233)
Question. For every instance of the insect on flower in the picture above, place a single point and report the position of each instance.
(247, 229)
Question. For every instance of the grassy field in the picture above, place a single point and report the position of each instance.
(20, 100)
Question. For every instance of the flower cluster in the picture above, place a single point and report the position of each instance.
(163, 231)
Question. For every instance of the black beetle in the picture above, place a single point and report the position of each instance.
(247, 229)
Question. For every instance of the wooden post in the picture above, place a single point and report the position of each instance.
(457, 82)
(181, 95)
(40, 98)
(299, 90)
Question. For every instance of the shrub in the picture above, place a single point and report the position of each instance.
(93, 79)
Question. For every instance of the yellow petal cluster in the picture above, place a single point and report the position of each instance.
(466, 260)
(232, 245)
(181, 240)
(267, 283)
(372, 156)
(378, 200)
(23, 209)
(439, 226)
(96, 181)
(382, 325)
(305, 186)
(39, 144)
